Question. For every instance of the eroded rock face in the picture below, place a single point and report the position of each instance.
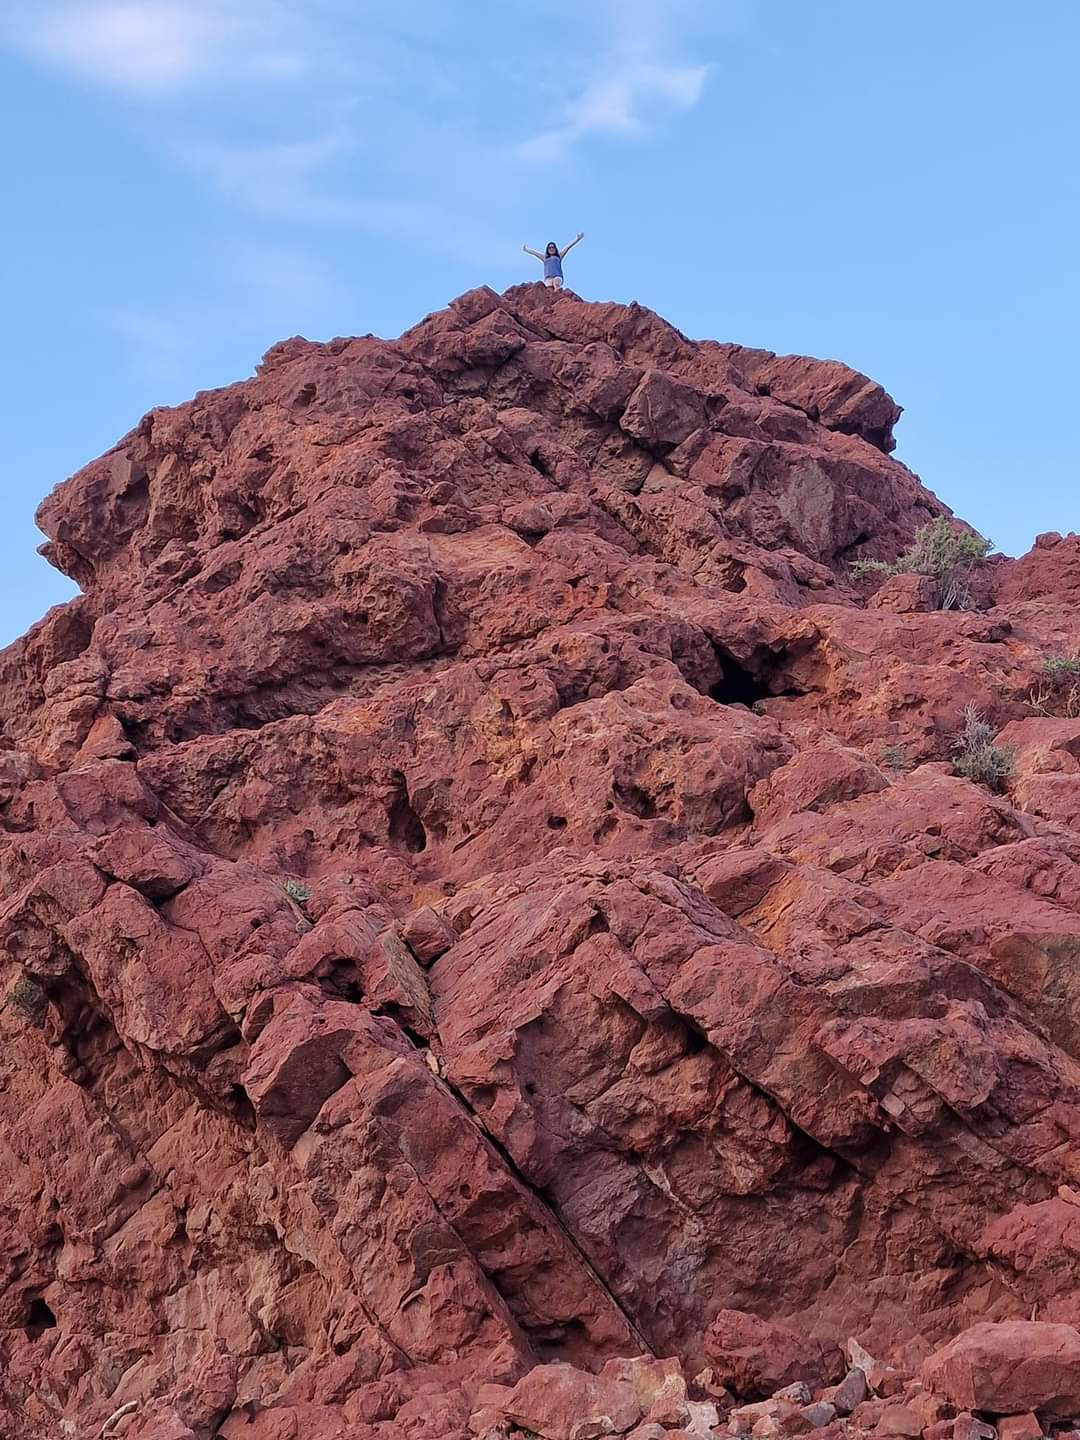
(481, 892)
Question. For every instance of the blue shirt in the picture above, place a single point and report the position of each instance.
(552, 266)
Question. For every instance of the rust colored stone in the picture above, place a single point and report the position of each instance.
(486, 909)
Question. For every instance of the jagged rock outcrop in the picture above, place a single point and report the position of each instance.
(482, 889)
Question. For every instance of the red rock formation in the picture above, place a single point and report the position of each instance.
(482, 890)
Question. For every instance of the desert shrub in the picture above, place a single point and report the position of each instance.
(942, 550)
(1057, 691)
(976, 757)
(297, 891)
(28, 998)
(895, 757)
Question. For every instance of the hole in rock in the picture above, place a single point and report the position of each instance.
(556, 822)
(737, 685)
(536, 460)
(845, 550)
(243, 1110)
(598, 925)
(637, 801)
(39, 1318)
(406, 827)
(343, 982)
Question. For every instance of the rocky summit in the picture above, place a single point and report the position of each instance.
(527, 908)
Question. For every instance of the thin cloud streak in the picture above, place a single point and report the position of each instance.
(157, 48)
(380, 155)
(287, 183)
(638, 76)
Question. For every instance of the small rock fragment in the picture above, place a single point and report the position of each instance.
(799, 1393)
(966, 1427)
(819, 1414)
(1020, 1427)
(900, 1420)
(851, 1391)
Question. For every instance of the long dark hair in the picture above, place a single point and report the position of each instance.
(552, 248)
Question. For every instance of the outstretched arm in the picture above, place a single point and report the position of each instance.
(532, 252)
(579, 236)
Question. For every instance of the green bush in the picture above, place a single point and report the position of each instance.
(976, 757)
(942, 550)
(1058, 690)
(297, 892)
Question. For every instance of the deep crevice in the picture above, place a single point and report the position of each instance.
(406, 827)
(39, 1317)
(574, 1248)
(536, 460)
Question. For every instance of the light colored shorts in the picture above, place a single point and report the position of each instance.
(554, 282)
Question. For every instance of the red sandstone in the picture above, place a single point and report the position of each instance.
(463, 910)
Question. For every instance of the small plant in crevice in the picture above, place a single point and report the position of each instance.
(28, 999)
(895, 757)
(976, 756)
(297, 891)
(942, 550)
(1057, 691)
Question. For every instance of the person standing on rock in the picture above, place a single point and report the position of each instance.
(552, 259)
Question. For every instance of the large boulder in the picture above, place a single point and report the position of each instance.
(559, 1402)
(1010, 1368)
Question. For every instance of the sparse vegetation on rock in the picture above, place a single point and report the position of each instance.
(977, 757)
(1057, 690)
(944, 551)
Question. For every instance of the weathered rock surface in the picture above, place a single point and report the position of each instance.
(482, 892)
(1010, 1368)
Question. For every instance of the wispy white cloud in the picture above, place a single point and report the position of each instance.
(619, 100)
(638, 75)
(382, 132)
(299, 184)
(155, 47)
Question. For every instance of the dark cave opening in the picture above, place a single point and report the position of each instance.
(406, 827)
(737, 685)
(39, 1318)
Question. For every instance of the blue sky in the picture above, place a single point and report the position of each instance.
(894, 184)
